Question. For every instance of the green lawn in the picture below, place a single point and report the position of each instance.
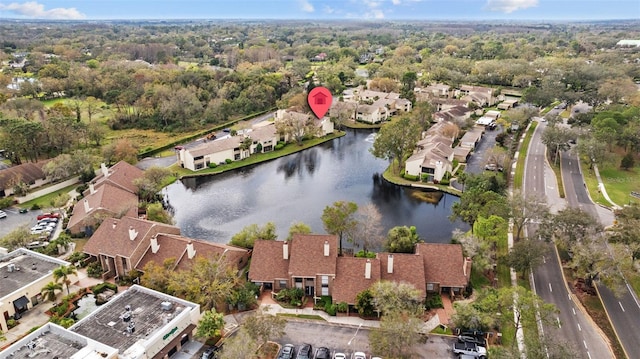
(301, 316)
(522, 155)
(620, 183)
(45, 201)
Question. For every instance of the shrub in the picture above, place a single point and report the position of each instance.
(410, 177)
(99, 288)
(94, 270)
(213, 165)
(12, 323)
(279, 146)
(342, 307)
(627, 161)
(361, 254)
(424, 177)
(433, 301)
(5, 202)
(35, 207)
(228, 160)
(290, 295)
(330, 308)
(445, 181)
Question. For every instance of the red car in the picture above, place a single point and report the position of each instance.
(48, 215)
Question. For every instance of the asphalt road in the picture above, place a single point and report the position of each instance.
(624, 309)
(479, 157)
(572, 326)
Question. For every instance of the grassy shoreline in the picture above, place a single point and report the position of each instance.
(289, 149)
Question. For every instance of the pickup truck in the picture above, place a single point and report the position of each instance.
(470, 349)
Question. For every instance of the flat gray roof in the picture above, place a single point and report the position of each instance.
(27, 267)
(47, 345)
(107, 325)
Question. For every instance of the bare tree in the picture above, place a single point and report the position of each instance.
(525, 209)
(368, 232)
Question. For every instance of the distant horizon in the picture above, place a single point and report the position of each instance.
(323, 10)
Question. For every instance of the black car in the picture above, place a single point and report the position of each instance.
(287, 352)
(211, 353)
(323, 353)
(304, 352)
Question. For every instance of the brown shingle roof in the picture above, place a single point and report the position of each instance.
(267, 262)
(407, 268)
(307, 255)
(113, 239)
(444, 264)
(122, 175)
(26, 172)
(175, 246)
(107, 198)
(350, 278)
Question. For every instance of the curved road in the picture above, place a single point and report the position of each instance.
(623, 310)
(572, 326)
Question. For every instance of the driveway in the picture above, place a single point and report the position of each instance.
(478, 158)
(15, 220)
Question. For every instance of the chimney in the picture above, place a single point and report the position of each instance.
(104, 169)
(191, 252)
(285, 250)
(390, 263)
(87, 208)
(326, 248)
(92, 189)
(132, 233)
(367, 269)
(154, 244)
(464, 266)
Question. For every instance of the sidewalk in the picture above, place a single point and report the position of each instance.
(47, 190)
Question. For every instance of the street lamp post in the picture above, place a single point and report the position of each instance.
(351, 340)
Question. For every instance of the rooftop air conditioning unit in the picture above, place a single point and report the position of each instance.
(126, 317)
(166, 306)
(11, 267)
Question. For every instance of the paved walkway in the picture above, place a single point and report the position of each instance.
(602, 189)
(47, 190)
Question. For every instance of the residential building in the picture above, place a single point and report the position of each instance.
(122, 175)
(29, 173)
(217, 152)
(141, 323)
(185, 251)
(436, 90)
(441, 104)
(54, 341)
(371, 113)
(120, 244)
(108, 200)
(446, 269)
(481, 96)
(433, 156)
(323, 125)
(507, 104)
(311, 263)
(472, 137)
(24, 273)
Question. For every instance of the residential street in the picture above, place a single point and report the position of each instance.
(573, 327)
(624, 310)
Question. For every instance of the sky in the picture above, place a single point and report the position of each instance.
(323, 9)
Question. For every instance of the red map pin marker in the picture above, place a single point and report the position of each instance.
(319, 100)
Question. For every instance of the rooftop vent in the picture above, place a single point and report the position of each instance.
(11, 267)
(131, 328)
(33, 266)
(126, 317)
(166, 306)
(127, 308)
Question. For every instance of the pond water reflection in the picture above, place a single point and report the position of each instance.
(298, 187)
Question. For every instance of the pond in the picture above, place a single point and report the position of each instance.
(297, 188)
(84, 306)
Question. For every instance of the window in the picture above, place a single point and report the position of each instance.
(325, 285)
(282, 284)
(430, 287)
(298, 283)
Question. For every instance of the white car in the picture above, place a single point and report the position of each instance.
(359, 355)
(3, 214)
(339, 356)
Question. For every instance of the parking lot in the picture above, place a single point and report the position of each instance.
(15, 219)
(348, 339)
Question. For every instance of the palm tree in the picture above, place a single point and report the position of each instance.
(63, 273)
(49, 290)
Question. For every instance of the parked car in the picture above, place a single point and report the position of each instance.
(470, 349)
(287, 352)
(304, 352)
(359, 355)
(323, 353)
(3, 214)
(211, 352)
(471, 339)
(23, 210)
(48, 215)
(339, 356)
(493, 167)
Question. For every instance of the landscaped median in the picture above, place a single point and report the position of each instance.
(256, 158)
(522, 155)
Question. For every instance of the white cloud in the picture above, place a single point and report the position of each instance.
(306, 6)
(395, 2)
(329, 10)
(36, 10)
(509, 6)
